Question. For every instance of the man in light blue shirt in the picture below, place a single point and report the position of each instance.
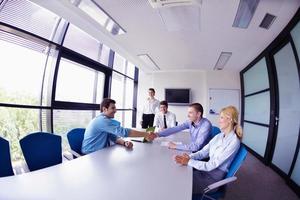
(199, 130)
(103, 129)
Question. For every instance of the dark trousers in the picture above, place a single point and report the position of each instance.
(148, 120)
(201, 179)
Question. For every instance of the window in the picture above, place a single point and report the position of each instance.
(23, 71)
(119, 63)
(117, 89)
(27, 74)
(130, 70)
(33, 19)
(123, 66)
(65, 120)
(122, 92)
(128, 94)
(124, 117)
(16, 123)
(82, 43)
(105, 52)
(77, 83)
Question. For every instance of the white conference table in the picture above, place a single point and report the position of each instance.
(147, 172)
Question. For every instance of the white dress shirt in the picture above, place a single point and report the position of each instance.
(221, 151)
(151, 106)
(159, 120)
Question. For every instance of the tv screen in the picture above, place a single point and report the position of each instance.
(177, 96)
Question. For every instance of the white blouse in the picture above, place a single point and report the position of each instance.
(221, 150)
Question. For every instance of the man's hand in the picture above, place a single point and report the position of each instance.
(182, 159)
(172, 145)
(151, 136)
(128, 144)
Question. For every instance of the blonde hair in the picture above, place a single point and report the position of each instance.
(233, 114)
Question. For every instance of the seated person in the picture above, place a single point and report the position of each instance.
(199, 129)
(103, 129)
(164, 119)
(221, 150)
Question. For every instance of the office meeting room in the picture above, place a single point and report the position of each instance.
(149, 99)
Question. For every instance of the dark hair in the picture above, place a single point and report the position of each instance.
(164, 103)
(152, 89)
(105, 103)
(198, 107)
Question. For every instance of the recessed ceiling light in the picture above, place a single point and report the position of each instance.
(172, 3)
(245, 13)
(148, 61)
(92, 9)
(222, 60)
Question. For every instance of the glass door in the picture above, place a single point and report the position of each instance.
(288, 108)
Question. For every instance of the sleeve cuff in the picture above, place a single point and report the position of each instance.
(191, 163)
(191, 155)
(127, 132)
(180, 147)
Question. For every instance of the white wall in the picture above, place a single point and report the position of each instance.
(198, 80)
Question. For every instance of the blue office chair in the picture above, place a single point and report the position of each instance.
(5, 161)
(75, 138)
(41, 150)
(220, 193)
(214, 131)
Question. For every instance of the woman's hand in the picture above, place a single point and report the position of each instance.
(182, 159)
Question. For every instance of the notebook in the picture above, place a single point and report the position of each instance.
(142, 139)
(150, 129)
(138, 139)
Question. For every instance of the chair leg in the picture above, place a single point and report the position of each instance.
(207, 197)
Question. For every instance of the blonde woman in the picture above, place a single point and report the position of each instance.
(221, 150)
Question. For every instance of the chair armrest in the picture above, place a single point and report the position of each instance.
(219, 184)
(69, 152)
(74, 153)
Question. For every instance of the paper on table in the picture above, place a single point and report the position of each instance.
(166, 143)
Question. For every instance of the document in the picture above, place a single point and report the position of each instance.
(166, 143)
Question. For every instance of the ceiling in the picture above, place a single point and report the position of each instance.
(193, 49)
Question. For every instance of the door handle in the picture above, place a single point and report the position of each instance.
(276, 120)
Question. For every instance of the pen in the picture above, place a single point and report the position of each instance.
(136, 140)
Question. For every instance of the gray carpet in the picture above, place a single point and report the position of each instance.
(257, 181)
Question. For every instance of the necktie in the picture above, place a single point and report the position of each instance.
(165, 122)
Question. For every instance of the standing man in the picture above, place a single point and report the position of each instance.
(199, 130)
(149, 109)
(164, 119)
(103, 129)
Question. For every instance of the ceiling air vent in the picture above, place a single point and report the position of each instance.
(267, 21)
(171, 3)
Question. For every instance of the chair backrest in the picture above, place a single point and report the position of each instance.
(75, 138)
(214, 131)
(5, 161)
(237, 161)
(41, 150)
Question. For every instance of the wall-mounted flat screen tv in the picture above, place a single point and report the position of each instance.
(178, 96)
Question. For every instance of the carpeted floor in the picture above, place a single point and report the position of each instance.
(258, 182)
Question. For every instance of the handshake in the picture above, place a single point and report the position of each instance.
(151, 136)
